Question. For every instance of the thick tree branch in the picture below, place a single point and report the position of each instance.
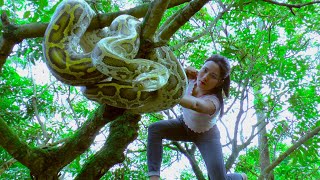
(15, 147)
(7, 40)
(6, 165)
(103, 20)
(153, 18)
(150, 25)
(122, 132)
(302, 140)
(46, 162)
(181, 18)
(83, 138)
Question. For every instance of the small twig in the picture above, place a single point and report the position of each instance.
(205, 31)
(6, 165)
(291, 6)
(228, 135)
(35, 107)
(74, 114)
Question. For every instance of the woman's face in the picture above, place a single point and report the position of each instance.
(208, 76)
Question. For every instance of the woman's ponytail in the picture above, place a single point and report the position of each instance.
(226, 86)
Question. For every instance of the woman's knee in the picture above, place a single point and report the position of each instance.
(165, 127)
(154, 127)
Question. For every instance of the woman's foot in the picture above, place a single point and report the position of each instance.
(244, 176)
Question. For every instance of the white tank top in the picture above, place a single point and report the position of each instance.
(200, 122)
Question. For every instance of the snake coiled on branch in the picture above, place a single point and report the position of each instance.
(105, 65)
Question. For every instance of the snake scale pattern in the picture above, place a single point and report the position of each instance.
(103, 61)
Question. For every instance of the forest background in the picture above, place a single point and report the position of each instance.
(49, 130)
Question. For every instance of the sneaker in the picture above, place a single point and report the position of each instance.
(244, 176)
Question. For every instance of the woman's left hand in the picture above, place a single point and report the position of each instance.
(191, 72)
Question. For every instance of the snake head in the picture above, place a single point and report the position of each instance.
(145, 86)
(150, 83)
(152, 80)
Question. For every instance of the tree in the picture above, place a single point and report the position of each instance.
(264, 39)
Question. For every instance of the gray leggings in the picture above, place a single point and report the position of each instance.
(207, 142)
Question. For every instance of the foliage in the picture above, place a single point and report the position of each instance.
(16, 171)
(273, 50)
(304, 167)
(248, 163)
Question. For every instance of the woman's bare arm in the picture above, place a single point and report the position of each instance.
(198, 104)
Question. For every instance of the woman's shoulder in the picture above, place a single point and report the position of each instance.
(212, 97)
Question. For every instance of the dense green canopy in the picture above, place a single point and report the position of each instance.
(272, 122)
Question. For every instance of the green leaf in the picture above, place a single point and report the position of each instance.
(26, 15)
(43, 4)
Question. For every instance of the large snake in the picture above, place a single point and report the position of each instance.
(106, 66)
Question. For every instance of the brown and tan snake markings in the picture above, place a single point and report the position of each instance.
(106, 66)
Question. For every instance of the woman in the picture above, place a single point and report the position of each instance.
(201, 105)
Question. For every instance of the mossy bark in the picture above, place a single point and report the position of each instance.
(123, 131)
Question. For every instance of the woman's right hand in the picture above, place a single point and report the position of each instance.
(191, 72)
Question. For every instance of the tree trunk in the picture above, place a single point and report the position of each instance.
(264, 155)
(263, 144)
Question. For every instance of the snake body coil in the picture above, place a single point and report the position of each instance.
(106, 66)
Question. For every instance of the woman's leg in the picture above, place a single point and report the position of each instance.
(211, 150)
(165, 129)
(213, 157)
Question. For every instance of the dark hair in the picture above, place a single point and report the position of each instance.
(224, 65)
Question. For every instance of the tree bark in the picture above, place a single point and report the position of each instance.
(264, 155)
(295, 146)
(47, 162)
(123, 131)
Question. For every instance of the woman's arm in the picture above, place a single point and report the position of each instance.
(194, 103)
(198, 104)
